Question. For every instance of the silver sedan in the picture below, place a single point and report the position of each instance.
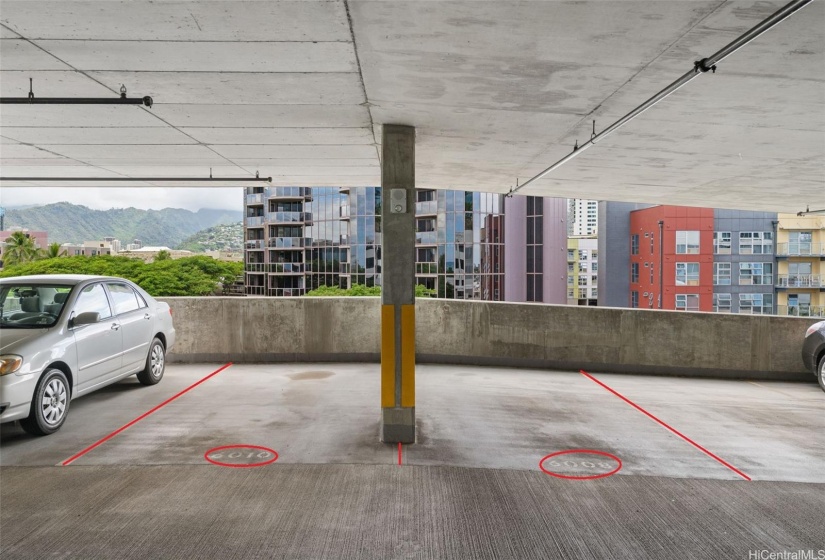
(63, 336)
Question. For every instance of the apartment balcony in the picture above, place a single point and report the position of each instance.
(799, 281)
(289, 217)
(426, 208)
(425, 237)
(252, 199)
(286, 292)
(290, 242)
(802, 310)
(343, 213)
(290, 193)
(256, 290)
(800, 249)
(286, 268)
(274, 268)
(253, 221)
(254, 244)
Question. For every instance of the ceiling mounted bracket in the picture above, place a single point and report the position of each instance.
(808, 212)
(702, 66)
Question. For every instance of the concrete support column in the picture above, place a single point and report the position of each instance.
(398, 284)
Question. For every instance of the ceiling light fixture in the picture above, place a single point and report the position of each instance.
(122, 100)
(699, 67)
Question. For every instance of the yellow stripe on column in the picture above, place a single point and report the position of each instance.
(387, 356)
(408, 355)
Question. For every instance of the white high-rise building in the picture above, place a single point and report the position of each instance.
(583, 216)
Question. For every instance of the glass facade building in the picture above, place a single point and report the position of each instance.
(299, 238)
(460, 244)
(327, 251)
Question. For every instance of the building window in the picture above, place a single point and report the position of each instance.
(687, 302)
(571, 254)
(799, 305)
(721, 303)
(721, 274)
(756, 243)
(634, 244)
(570, 292)
(595, 266)
(721, 242)
(799, 243)
(687, 274)
(687, 242)
(799, 276)
(757, 304)
(634, 273)
(634, 299)
(582, 267)
(570, 280)
(582, 280)
(755, 273)
(584, 254)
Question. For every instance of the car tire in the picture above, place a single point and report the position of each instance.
(820, 372)
(155, 364)
(50, 404)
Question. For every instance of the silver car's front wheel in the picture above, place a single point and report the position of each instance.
(821, 373)
(155, 364)
(54, 402)
(50, 404)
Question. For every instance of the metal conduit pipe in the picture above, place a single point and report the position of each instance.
(146, 100)
(32, 100)
(148, 179)
(699, 67)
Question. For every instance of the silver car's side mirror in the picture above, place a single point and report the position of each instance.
(88, 318)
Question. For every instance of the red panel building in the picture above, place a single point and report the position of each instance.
(671, 256)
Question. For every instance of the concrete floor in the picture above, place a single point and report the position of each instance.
(470, 487)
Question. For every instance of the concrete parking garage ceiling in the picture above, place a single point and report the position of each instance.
(298, 90)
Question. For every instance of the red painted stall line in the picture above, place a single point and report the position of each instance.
(142, 416)
(399, 453)
(684, 437)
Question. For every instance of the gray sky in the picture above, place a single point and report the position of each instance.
(228, 198)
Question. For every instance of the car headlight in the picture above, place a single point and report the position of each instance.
(10, 363)
(813, 328)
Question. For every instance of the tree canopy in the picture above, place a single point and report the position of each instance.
(53, 251)
(189, 276)
(19, 249)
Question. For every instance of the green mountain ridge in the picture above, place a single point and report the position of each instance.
(72, 223)
(221, 237)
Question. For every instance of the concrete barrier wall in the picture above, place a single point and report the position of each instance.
(250, 329)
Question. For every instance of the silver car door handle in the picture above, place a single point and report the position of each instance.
(115, 326)
(147, 316)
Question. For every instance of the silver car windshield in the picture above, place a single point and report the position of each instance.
(32, 306)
